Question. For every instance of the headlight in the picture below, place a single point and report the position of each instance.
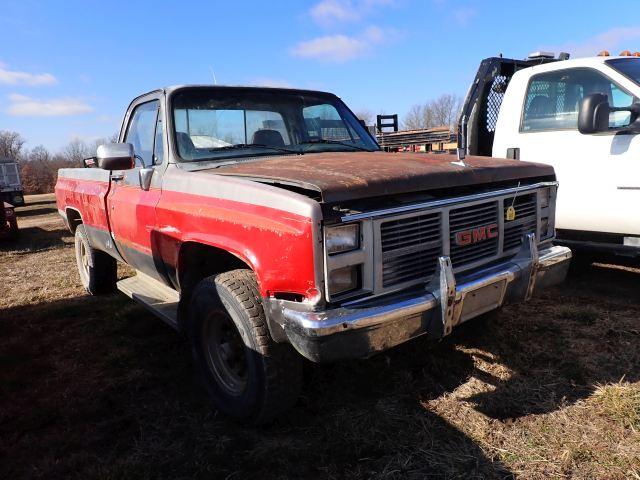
(545, 197)
(342, 238)
(8, 212)
(344, 279)
(544, 227)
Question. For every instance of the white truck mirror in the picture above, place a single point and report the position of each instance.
(593, 115)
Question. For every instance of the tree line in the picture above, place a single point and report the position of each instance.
(38, 166)
(439, 112)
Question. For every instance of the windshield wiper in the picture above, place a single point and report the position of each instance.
(240, 146)
(333, 142)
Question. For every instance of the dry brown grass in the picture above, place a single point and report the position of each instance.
(94, 387)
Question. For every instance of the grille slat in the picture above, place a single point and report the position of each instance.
(391, 229)
(414, 249)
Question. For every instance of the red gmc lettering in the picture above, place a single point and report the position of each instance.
(475, 235)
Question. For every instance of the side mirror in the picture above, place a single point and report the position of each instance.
(593, 115)
(116, 156)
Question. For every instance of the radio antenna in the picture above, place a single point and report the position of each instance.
(213, 74)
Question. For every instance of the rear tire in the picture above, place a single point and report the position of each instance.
(248, 376)
(98, 270)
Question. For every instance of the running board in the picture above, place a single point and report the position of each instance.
(153, 295)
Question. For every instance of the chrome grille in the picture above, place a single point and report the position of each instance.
(410, 248)
(525, 222)
(470, 217)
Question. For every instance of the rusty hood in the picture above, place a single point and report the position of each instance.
(341, 176)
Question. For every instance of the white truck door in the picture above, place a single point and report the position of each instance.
(599, 174)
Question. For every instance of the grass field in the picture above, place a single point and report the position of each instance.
(95, 387)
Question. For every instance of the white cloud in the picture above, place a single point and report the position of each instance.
(13, 77)
(270, 82)
(614, 40)
(328, 12)
(24, 106)
(464, 15)
(340, 48)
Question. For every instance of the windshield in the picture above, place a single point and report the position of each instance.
(224, 123)
(629, 67)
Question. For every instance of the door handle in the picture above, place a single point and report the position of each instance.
(117, 177)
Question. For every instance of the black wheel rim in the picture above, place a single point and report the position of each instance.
(225, 353)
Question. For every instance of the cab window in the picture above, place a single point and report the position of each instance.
(553, 99)
(141, 132)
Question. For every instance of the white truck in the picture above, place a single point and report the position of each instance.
(579, 115)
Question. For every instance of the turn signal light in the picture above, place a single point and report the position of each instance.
(604, 53)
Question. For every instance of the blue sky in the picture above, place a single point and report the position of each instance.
(68, 69)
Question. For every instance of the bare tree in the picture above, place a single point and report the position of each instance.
(10, 144)
(441, 112)
(365, 115)
(38, 154)
(445, 110)
(417, 117)
(77, 150)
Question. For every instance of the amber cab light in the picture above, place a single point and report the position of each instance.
(604, 53)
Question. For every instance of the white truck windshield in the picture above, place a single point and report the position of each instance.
(629, 67)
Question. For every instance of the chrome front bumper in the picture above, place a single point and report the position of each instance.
(362, 330)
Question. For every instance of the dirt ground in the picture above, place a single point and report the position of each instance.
(95, 387)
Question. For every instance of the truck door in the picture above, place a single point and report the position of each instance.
(132, 210)
(599, 174)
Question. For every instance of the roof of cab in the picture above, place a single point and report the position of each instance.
(172, 88)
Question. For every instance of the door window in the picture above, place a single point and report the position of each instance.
(553, 99)
(141, 132)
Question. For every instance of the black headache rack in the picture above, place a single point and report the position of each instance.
(479, 115)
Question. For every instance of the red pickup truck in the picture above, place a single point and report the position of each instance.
(267, 225)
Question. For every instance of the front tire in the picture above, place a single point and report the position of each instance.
(248, 376)
(98, 270)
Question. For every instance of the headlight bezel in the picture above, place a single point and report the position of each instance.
(353, 248)
(547, 197)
